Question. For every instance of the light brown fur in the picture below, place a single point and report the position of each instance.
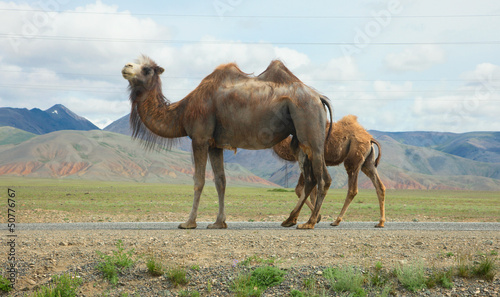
(348, 143)
(231, 109)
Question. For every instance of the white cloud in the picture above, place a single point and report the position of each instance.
(388, 90)
(85, 75)
(417, 58)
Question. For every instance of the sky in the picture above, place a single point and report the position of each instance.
(399, 65)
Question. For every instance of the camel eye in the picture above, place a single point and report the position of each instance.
(147, 70)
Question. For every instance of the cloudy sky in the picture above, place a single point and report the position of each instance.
(400, 65)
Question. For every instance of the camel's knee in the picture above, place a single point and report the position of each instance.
(328, 181)
(199, 184)
(220, 180)
(352, 193)
(381, 192)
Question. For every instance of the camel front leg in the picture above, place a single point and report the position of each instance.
(217, 161)
(200, 153)
(351, 193)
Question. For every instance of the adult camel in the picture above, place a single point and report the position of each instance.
(230, 109)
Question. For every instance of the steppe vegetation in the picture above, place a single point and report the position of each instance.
(96, 201)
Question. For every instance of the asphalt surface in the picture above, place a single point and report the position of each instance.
(426, 226)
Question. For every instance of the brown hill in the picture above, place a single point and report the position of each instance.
(101, 155)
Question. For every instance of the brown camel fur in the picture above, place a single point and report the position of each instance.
(228, 110)
(348, 143)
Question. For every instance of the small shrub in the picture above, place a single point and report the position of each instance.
(441, 278)
(254, 283)
(463, 268)
(109, 271)
(297, 293)
(486, 269)
(155, 268)
(115, 263)
(412, 277)
(177, 276)
(310, 289)
(346, 279)
(64, 286)
(267, 276)
(378, 278)
(243, 287)
(5, 284)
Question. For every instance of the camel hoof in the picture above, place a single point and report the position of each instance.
(187, 225)
(288, 223)
(335, 224)
(379, 226)
(305, 226)
(222, 225)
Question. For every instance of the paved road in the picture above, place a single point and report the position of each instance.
(437, 226)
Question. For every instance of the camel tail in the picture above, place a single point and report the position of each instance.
(379, 151)
(326, 102)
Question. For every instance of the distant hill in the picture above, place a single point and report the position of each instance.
(121, 126)
(37, 121)
(10, 135)
(101, 155)
(478, 146)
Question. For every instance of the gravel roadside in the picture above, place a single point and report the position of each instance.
(211, 257)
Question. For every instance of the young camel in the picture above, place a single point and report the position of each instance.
(351, 144)
(228, 110)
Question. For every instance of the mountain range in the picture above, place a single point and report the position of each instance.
(410, 160)
(37, 121)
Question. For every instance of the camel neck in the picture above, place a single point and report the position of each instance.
(158, 116)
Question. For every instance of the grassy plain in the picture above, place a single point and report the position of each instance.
(52, 200)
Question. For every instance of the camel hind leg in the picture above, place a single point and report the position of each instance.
(217, 161)
(370, 170)
(311, 135)
(299, 191)
(321, 179)
(302, 189)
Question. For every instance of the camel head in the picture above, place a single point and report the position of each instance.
(144, 73)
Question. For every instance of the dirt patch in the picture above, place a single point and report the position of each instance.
(212, 257)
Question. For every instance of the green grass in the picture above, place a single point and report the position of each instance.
(411, 276)
(310, 289)
(441, 278)
(346, 279)
(257, 281)
(485, 269)
(63, 286)
(178, 276)
(92, 201)
(155, 267)
(116, 263)
(5, 284)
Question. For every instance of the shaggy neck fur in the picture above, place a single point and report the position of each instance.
(153, 118)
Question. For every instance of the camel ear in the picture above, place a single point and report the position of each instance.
(159, 70)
